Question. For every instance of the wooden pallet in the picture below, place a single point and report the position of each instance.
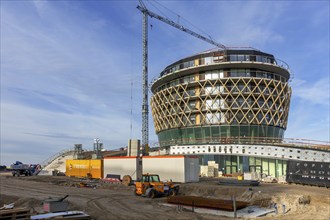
(18, 213)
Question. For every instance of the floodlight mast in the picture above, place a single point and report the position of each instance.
(146, 12)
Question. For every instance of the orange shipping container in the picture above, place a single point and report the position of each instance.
(85, 168)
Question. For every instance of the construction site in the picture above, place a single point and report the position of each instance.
(220, 117)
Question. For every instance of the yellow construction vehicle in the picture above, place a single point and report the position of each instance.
(151, 186)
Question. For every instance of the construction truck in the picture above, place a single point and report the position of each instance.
(18, 169)
(151, 186)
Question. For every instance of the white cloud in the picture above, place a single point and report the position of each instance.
(66, 67)
(313, 92)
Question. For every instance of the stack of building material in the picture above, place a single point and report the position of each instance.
(216, 169)
(247, 176)
(282, 179)
(211, 170)
(269, 179)
(203, 171)
(256, 176)
(252, 176)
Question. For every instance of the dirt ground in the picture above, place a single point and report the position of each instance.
(113, 201)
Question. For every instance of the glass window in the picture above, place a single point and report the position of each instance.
(234, 73)
(202, 76)
(233, 58)
(184, 136)
(240, 58)
(254, 129)
(272, 170)
(221, 73)
(270, 132)
(258, 161)
(215, 131)
(198, 134)
(206, 133)
(208, 75)
(259, 59)
(279, 168)
(190, 133)
(234, 131)
(225, 131)
(252, 161)
(265, 166)
(241, 73)
(208, 60)
(233, 160)
(245, 131)
(262, 131)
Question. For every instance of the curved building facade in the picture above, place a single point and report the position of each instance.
(236, 96)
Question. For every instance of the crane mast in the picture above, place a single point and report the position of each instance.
(145, 108)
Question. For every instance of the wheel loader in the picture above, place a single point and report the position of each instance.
(151, 186)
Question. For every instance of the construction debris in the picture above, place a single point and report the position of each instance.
(17, 213)
(236, 182)
(55, 205)
(127, 179)
(195, 201)
(63, 215)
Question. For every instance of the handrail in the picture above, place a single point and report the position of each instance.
(53, 157)
(272, 60)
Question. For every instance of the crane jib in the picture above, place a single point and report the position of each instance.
(143, 9)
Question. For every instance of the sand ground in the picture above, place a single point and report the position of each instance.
(114, 201)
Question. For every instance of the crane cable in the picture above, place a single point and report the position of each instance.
(179, 17)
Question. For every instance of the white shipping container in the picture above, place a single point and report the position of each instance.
(176, 168)
(121, 166)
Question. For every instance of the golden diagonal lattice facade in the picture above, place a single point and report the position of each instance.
(241, 95)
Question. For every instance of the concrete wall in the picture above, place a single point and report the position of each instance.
(121, 166)
(267, 151)
(176, 168)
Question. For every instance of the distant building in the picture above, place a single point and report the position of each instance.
(230, 106)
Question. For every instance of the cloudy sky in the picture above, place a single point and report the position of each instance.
(70, 68)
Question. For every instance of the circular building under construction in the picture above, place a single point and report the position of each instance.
(230, 106)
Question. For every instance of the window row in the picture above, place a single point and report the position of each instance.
(220, 134)
(223, 58)
(218, 104)
(220, 74)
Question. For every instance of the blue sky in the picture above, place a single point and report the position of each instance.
(67, 66)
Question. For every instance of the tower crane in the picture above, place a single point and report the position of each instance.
(145, 108)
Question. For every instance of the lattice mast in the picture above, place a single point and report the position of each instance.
(145, 108)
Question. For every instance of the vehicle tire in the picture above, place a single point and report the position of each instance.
(152, 194)
(172, 192)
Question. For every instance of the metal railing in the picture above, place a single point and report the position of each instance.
(240, 58)
(55, 156)
(289, 142)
